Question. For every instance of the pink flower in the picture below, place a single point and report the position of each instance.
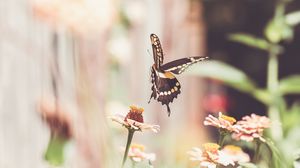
(236, 153)
(251, 127)
(223, 121)
(79, 16)
(134, 120)
(210, 156)
(56, 116)
(136, 153)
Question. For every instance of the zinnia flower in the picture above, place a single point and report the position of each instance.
(251, 127)
(236, 153)
(134, 120)
(137, 154)
(56, 117)
(223, 121)
(61, 128)
(210, 156)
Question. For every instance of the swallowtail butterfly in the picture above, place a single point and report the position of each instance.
(165, 86)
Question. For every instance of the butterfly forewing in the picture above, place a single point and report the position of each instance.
(158, 54)
(180, 65)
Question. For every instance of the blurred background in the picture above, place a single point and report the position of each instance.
(89, 59)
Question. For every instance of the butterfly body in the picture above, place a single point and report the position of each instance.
(165, 87)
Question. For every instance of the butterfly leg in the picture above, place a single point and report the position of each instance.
(152, 95)
(150, 98)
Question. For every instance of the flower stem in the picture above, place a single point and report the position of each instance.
(129, 139)
(273, 84)
(133, 164)
(221, 137)
(55, 150)
(256, 151)
(150, 164)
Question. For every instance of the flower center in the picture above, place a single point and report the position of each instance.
(138, 146)
(233, 149)
(211, 147)
(228, 118)
(135, 114)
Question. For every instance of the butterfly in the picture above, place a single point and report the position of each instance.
(165, 86)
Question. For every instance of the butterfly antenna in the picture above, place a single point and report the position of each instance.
(148, 52)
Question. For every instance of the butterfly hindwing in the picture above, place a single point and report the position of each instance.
(158, 54)
(168, 90)
(165, 87)
(180, 65)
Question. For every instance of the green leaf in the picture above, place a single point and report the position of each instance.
(291, 117)
(262, 95)
(290, 85)
(277, 160)
(290, 147)
(250, 40)
(225, 73)
(293, 18)
(277, 29)
(247, 165)
(230, 76)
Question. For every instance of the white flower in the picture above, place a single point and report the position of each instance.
(236, 153)
(211, 156)
(137, 154)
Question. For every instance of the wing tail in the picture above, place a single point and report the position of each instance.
(169, 110)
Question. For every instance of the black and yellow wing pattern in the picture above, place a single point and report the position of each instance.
(165, 87)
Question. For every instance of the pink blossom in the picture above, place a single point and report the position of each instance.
(251, 127)
(223, 121)
(137, 154)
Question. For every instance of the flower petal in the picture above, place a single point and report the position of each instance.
(143, 126)
(118, 119)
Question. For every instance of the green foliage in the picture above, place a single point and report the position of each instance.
(276, 158)
(225, 73)
(290, 85)
(291, 147)
(277, 30)
(247, 165)
(250, 40)
(292, 119)
(230, 76)
(280, 28)
(293, 19)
